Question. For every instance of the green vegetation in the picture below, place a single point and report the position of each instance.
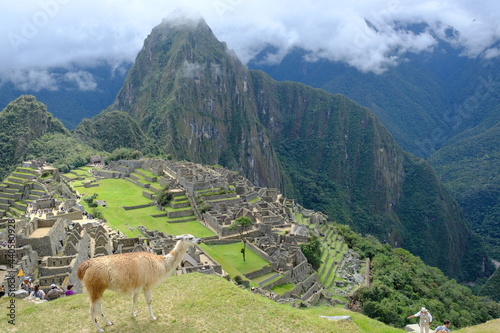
(61, 151)
(402, 284)
(492, 286)
(164, 196)
(469, 167)
(242, 225)
(21, 122)
(189, 303)
(312, 251)
(228, 257)
(123, 154)
(283, 288)
(119, 193)
(197, 303)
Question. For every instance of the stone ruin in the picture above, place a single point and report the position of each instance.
(275, 235)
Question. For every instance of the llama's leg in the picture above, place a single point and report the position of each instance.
(99, 310)
(93, 315)
(148, 296)
(135, 295)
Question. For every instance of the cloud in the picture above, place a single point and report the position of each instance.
(35, 80)
(370, 35)
(82, 79)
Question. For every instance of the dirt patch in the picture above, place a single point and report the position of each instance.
(40, 232)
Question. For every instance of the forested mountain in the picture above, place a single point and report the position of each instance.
(192, 98)
(21, 122)
(439, 105)
(28, 131)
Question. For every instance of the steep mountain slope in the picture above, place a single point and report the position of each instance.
(28, 131)
(436, 105)
(192, 97)
(424, 102)
(195, 100)
(470, 167)
(111, 130)
(21, 122)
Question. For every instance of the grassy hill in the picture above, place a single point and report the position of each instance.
(195, 303)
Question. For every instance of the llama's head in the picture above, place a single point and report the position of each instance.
(189, 240)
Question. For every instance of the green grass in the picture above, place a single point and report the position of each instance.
(141, 179)
(229, 256)
(147, 173)
(83, 173)
(261, 278)
(189, 303)
(118, 193)
(254, 200)
(283, 288)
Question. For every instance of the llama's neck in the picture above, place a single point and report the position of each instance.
(174, 257)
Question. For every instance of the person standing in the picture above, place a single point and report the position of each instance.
(425, 319)
(443, 328)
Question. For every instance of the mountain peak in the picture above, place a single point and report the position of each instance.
(184, 18)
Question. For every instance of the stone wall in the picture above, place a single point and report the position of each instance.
(136, 207)
(259, 252)
(48, 245)
(262, 271)
(25, 259)
(138, 183)
(109, 174)
(180, 213)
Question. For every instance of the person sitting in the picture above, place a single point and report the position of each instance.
(444, 328)
(54, 292)
(37, 292)
(69, 292)
(26, 285)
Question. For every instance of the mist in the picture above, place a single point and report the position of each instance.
(371, 36)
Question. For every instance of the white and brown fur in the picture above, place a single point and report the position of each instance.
(130, 273)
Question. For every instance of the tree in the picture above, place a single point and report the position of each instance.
(312, 251)
(164, 196)
(242, 225)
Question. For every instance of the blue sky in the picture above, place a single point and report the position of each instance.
(368, 35)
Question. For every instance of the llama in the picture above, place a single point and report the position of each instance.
(130, 273)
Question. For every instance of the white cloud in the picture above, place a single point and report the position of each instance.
(35, 80)
(82, 79)
(39, 34)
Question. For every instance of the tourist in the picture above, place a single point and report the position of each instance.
(38, 293)
(26, 285)
(69, 292)
(443, 328)
(54, 292)
(425, 319)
